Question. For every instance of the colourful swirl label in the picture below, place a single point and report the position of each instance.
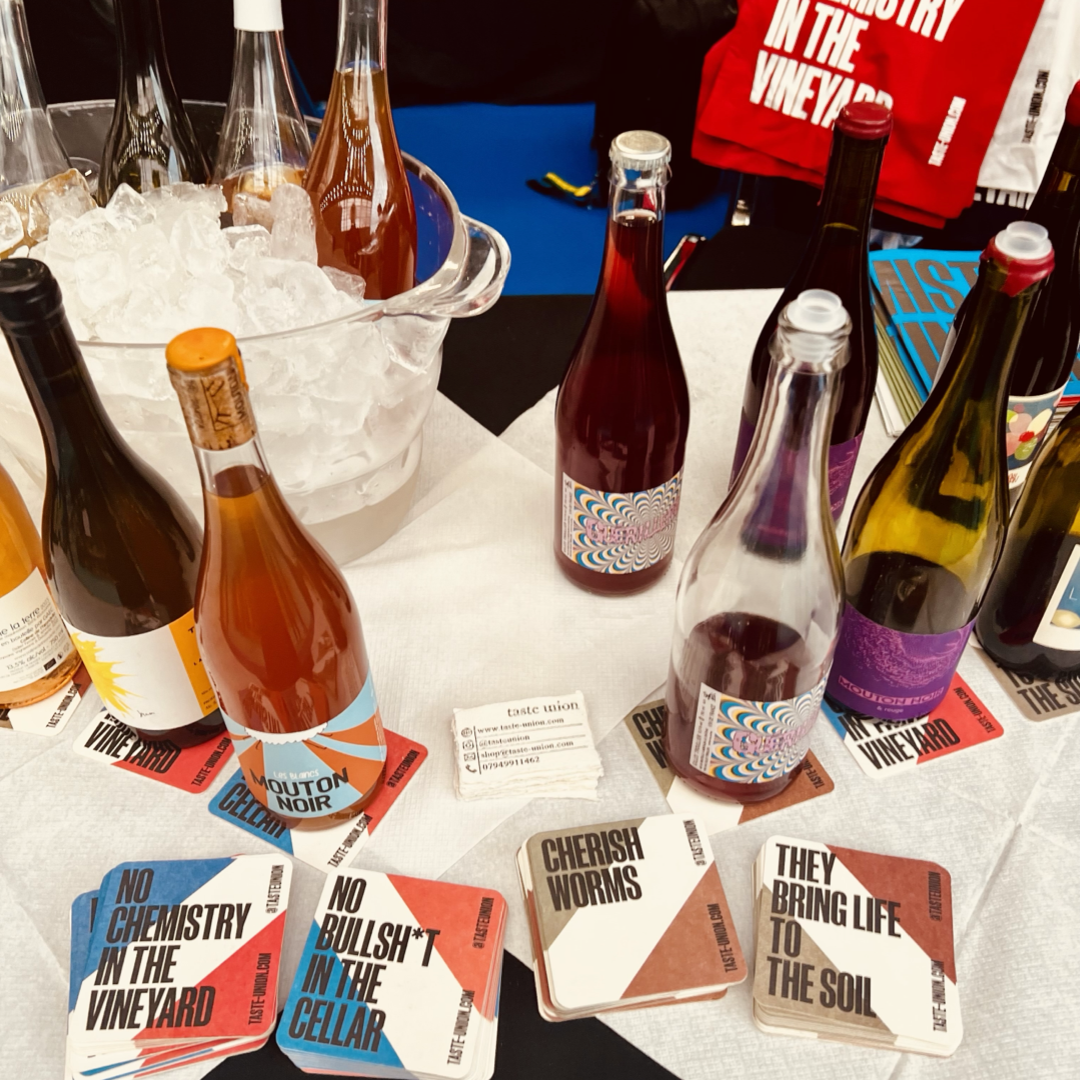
(615, 532)
(751, 742)
(1027, 422)
(318, 771)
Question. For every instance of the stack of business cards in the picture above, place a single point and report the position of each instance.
(854, 947)
(625, 915)
(399, 978)
(175, 963)
(522, 749)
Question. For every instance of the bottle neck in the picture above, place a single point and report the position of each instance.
(361, 35)
(1057, 202)
(19, 81)
(235, 472)
(72, 419)
(848, 197)
(141, 43)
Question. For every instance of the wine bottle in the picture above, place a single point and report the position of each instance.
(759, 601)
(150, 143)
(36, 654)
(364, 218)
(30, 152)
(264, 140)
(1047, 351)
(121, 548)
(275, 618)
(836, 260)
(623, 407)
(929, 522)
(1030, 617)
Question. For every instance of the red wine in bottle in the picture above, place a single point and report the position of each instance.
(623, 408)
(758, 606)
(121, 548)
(1030, 616)
(928, 524)
(836, 260)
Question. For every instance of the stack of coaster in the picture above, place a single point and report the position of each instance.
(399, 978)
(520, 749)
(854, 947)
(175, 963)
(626, 915)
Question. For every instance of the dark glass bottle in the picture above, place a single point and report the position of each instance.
(150, 143)
(759, 601)
(121, 548)
(623, 408)
(836, 260)
(929, 522)
(1030, 617)
(1047, 349)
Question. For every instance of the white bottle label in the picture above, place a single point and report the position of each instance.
(1059, 627)
(32, 636)
(153, 681)
(751, 742)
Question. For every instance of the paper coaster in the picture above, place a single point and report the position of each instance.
(326, 849)
(854, 946)
(884, 747)
(109, 741)
(50, 716)
(646, 724)
(1037, 698)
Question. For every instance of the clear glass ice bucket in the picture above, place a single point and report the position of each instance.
(340, 405)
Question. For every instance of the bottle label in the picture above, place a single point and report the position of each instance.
(153, 681)
(318, 771)
(842, 458)
(1059, 627)
(1027, 423)
(32, 636)
(619, 533)
(752, 742)
(889, 674)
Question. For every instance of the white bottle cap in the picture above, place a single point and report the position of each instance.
(640, 150)
(818, 311)
(1023, 240)
(257, 15)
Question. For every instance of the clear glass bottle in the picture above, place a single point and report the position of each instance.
(151, 142)
(623, 409)
(758, 608)
(928, 525)
(364, 218)
(30, 152)
(835, 259)
(275, 619)
(264, 140)
(121, 548)
(36, 654)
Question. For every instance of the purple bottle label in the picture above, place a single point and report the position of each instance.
(842, 458)
(889, 674)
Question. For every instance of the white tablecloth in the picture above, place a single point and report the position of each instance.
(465, 606)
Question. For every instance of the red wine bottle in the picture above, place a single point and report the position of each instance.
(928, 524)
(759, 601)
(1047, 348)
(836, 260)
(1030, 617)
(623, 408)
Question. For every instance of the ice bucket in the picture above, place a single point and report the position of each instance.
(340, 405)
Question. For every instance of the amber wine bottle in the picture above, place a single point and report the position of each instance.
(928, 525)
(36, 654)
(121, 548)
(275, 618)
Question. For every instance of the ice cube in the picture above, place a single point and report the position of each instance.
(198, 243)
(88, 235)
(247, 242)
(64, 196)
(248, 209)
(128, 210)
(352, 285)
(413, 340)
(293, 234)
(101, 280)
(11, 228)
(208, 301)
(151, 260)
(207, 200)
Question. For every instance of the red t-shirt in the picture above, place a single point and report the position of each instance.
(772, 88)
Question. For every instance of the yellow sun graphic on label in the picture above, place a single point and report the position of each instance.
(103, 674)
